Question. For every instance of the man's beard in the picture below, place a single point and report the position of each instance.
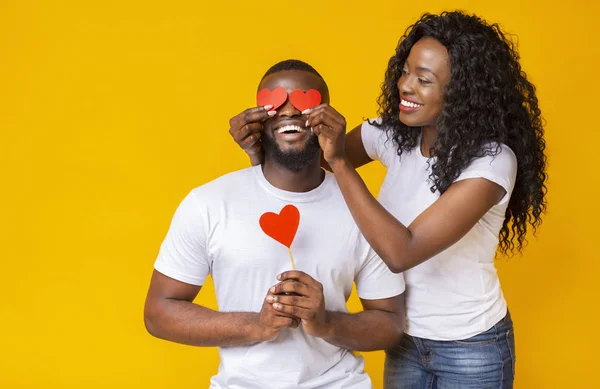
(292, 160)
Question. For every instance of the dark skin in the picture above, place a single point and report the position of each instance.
(170, 314)
(297, 298)
(426, 74)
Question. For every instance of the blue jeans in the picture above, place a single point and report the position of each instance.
(485, 361)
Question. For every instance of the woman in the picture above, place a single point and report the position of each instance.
(461, 136)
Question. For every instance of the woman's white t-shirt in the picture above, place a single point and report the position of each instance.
(455, 294)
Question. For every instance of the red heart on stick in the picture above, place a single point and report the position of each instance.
(275, 98)
(281, 227)
(303, 101)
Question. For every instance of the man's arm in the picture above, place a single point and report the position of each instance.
(170, 314)
(380, 326)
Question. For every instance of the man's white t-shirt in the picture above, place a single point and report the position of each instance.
(216, 231)
(455, 294)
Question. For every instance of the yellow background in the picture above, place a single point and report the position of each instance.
(111, 111)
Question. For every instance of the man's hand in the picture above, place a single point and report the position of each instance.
(330, 126)
(270, 321)
(308, 303)
(245, 129)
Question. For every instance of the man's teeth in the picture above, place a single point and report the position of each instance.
(290, 128)
(410, 104)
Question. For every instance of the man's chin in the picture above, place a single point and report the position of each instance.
(288, 149)
(293, 156)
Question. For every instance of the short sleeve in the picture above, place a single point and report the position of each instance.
(376, 143)
(500, 169)
(375, 280)
(183, 253)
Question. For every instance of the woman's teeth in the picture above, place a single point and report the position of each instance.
(410, 104)
(290, 129)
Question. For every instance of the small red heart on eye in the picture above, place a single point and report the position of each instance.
(281, 227)
(275, 98)
(307, 100)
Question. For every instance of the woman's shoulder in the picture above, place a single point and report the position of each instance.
(497, 154)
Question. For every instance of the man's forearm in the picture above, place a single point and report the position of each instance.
(188, 323)
(364, 331)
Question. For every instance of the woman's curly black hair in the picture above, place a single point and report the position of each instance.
(488, 101)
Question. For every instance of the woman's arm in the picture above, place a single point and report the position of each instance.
(355, 150)
(441, 225)
(401, 247)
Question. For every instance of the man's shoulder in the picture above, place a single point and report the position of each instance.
(226, 184)
(338, 210)
(333, 188)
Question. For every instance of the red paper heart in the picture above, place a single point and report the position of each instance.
(275, 98)
(303, 101)
(281, 227)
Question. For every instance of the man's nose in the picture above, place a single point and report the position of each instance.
(288, 109)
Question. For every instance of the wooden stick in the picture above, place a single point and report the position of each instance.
(292, 259)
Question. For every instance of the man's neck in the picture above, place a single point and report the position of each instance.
(303, 180)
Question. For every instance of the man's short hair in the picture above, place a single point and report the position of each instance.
(291, 64)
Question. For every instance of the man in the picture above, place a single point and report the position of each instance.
(276, 328)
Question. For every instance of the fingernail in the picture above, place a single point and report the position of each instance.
(311, 130)
(272, 113)
(307, 110)
(267, 107)
(276, 306)
(272, 290)
(306, 123)
(270, 298)
(279, 276)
